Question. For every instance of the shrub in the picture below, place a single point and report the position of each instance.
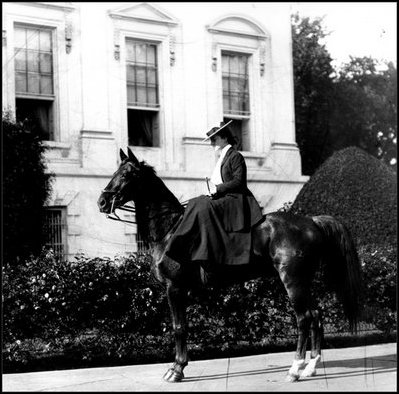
(357, 189)
(26, 188)
(47, 298)
(92, 310)
(380, 276)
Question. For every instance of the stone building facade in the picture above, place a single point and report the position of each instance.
(96, 77)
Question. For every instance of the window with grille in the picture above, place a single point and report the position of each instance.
(34, 78)
(235, 80)
(142, 93)
(141, 247)
(55, 231)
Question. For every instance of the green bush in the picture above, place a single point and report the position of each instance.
(26, 187)
(357, 189)
(47, 297)
(379, 263)
(92, 310)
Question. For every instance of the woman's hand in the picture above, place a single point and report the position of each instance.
(212, 188)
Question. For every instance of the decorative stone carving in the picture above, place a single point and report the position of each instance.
(262, 58)
(214, 58)
(172, 44)
(68, 35)
(117, 47)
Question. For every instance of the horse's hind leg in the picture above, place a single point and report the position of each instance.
(177, 303)
(316, 330)
(303, 324)
(299, 295)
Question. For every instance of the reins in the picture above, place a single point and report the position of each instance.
(131, 209)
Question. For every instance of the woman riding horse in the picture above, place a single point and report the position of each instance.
(294, 246)
(218, 226)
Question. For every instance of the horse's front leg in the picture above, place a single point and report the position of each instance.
(177, 298)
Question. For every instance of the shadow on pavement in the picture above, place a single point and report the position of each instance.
(236, 374)
(370, 365)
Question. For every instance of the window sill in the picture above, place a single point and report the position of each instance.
(32, 96)
(57, 145)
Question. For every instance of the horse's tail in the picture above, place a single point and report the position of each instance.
(342, 266)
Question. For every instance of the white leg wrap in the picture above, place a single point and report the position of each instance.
(296, 365)
(310, 369)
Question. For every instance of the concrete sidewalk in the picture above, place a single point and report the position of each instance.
(366, 368)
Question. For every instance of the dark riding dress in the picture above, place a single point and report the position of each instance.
(217, 230)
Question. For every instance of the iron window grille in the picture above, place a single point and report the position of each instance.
(141, 247)
(55, 230)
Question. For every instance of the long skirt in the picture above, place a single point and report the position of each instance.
(201, 236)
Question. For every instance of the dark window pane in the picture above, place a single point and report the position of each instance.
(142, 128)
(236, 130)
(36, 115)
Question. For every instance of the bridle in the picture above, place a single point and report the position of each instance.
(126, 208)
(122, 208)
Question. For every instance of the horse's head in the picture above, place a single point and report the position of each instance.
(124, 185)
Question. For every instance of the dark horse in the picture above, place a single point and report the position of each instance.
(294, 245)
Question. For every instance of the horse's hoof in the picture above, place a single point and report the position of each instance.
(291, 378)
(173, 376)
(308, 374)
(310, 369)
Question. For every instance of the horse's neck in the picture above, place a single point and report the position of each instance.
(159, 210)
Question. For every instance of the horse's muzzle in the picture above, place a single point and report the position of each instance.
(104, 205)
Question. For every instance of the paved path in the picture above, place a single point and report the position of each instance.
(365, 368)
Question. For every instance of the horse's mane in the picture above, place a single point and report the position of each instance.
(159, 203)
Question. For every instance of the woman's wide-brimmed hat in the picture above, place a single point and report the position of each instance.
(215, 130)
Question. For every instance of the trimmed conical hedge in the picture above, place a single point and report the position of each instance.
(357, 189)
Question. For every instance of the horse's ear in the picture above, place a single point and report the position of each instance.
(122, 154)
(132, 157)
